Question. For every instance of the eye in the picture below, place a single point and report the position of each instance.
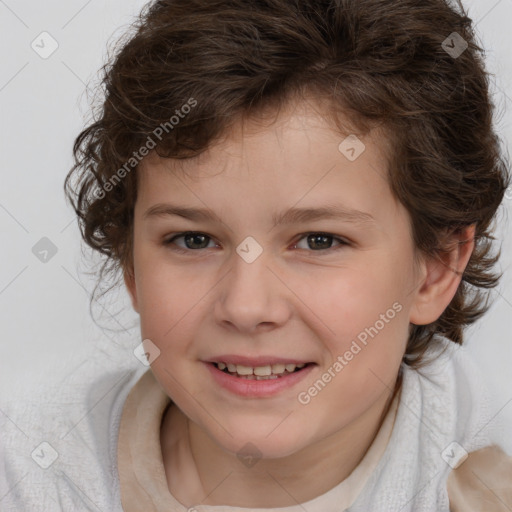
(321, 242)
(193, 241)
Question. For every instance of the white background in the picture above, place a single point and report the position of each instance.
(45, 306)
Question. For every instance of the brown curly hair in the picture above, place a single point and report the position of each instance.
(380, 63)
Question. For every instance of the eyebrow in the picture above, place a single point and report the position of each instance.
(290, 216)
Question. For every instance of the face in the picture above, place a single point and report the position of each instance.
(334, 292)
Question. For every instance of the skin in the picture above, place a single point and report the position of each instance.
(293, 300)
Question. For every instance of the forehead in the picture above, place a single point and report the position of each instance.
(298, 155)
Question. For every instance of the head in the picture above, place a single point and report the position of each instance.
(247, 109)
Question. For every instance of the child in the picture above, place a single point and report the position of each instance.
(299, 196)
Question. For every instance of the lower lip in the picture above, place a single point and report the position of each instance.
(257, 388)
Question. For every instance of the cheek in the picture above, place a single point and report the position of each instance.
(363, 370)
(162, 300)
(171, 302)
(350, 299)
(364, 321)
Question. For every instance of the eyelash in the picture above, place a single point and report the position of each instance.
(343, 243)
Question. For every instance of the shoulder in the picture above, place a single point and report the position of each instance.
(479, 470)
(483, 481)
(459, 397)
(57, 443)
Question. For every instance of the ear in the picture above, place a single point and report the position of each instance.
(441, 276)
(129, 281)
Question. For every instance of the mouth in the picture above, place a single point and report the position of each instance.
(262, 376)
(261, 381)
(263, 372)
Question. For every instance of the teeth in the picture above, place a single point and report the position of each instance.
(263, 371)
(243, 370)
(260, 372)
(278, 368)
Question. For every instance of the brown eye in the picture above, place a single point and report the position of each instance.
(321, 242)
(193, 240)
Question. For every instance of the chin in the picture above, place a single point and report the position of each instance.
(259, 444)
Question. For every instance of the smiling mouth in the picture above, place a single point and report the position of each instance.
(268, 372)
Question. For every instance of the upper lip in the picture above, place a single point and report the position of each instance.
(254, 362)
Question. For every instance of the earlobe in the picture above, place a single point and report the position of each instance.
(442, 276)
(129, 281)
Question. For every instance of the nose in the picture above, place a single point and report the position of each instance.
(252, 296)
